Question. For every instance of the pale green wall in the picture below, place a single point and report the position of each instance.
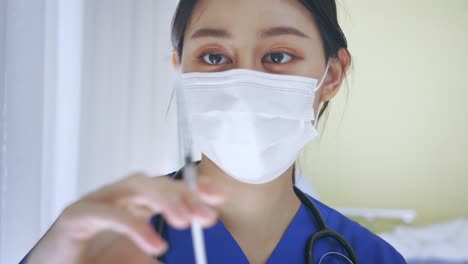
(402, 139)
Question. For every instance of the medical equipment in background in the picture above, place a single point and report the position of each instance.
(372, 214)
(441, 242)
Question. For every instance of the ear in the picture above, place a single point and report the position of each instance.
(335, 76)
(175, 59)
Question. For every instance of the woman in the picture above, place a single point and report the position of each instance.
(254, 73)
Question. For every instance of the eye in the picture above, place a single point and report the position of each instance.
(278, 58)
(215, 59)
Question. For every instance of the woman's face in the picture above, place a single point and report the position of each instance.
(274, 36)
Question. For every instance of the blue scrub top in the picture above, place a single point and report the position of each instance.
(221, 247)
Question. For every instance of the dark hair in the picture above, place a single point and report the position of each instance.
(324, 13)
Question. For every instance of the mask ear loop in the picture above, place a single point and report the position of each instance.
(322, 81)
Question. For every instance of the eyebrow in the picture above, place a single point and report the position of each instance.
(267, 33)
(282, 30)
(210, 32)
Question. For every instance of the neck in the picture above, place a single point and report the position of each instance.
(253, 205)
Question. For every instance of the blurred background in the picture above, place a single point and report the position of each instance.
(85, 87)
(397, 136)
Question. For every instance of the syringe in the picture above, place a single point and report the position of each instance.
(190, 170)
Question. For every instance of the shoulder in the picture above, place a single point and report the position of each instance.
(369, 247)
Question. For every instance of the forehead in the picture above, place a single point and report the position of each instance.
(250, 16)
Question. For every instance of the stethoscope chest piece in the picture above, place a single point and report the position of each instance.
(324, 232)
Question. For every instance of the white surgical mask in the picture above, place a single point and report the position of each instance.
(251, 124)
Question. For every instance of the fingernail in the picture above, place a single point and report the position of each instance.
(205, 211)
(159, 250)
(213, 186)
(164, 247)
(158, 245)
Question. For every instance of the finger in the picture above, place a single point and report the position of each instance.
(159, 195)
(212, 193)
(172, 199)
(138, 209)
(181, 206)
(165, 196)
(145, 196)
(176, 212)
(88, 219)
(206, 215)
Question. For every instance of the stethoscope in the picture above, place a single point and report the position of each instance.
(323, 230)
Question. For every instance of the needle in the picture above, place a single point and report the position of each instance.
(197, 231)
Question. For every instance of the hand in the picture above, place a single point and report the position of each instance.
(125, 208)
